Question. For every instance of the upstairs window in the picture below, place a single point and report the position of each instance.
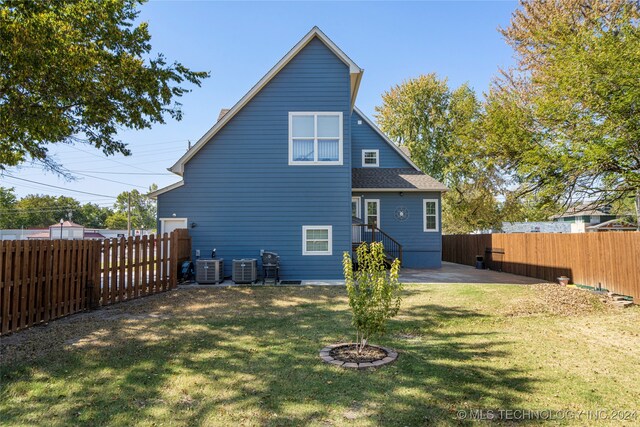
(370, 158)
(315, 138)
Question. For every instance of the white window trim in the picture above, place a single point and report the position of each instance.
(369, 165)
(365, 214)
(316, 138)
(329, 228)
(424, 215)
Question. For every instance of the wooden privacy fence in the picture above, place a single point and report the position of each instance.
(43, 280)
(610, 260)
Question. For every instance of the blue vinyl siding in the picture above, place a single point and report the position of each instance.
(363, 137)
(243, 195)
(420, 249)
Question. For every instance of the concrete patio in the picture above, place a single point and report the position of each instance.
(458, 273)
(449, 273)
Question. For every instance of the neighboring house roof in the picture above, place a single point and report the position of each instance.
(614, 224)
(354, 70)
(93, 235)
(583, 209)
(67, 224)
(394, 179)
(536, 227)
(41, 235)
(386, 138)
(163, 190)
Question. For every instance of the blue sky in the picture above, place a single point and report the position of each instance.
(238, 42)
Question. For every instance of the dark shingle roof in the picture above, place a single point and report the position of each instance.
(394, 178)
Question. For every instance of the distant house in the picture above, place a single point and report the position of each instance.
(586, 213)
(584, 218)
(290, 166)
(536, 227)
(67, 230)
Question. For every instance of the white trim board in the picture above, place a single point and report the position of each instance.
(354, 70)
(159, 191)
(398, 190)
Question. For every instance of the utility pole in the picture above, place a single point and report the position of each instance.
(129, 216)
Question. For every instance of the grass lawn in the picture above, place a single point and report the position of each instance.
(249, 356)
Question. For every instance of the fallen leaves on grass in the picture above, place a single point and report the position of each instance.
(558, 300)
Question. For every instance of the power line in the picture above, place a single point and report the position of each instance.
(123, 173)
(108, 159)
(110, 180)
(61, 188)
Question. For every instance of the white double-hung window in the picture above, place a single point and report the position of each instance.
(315, 138)
(317, 240)
(430, 214)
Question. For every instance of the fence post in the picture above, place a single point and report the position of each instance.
(173, 260)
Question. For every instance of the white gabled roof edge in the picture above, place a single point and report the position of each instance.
(163, 190)
(354, 71)
(386, 138)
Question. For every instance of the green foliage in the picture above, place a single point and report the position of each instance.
(374, 293)
(117, 221)
(92, 216)
(143, 210)
(8, 202)
(442, 129)
(41, 211)
(564, 123)
(416, 114)
(78, 71)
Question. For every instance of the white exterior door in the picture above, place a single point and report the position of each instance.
(167, 225)
(355, 212)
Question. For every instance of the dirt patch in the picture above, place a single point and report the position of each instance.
(350, 354)
(558, 300)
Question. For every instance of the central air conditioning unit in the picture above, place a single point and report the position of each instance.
(245, 270)
(209, 270)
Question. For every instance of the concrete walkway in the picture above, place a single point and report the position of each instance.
(458, 273)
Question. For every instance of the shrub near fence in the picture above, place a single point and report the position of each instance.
(44, 280)
(607, 259)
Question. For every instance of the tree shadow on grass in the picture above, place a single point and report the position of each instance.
(250, 356)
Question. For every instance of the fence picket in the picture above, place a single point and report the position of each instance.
(44, 280)
(607, 259)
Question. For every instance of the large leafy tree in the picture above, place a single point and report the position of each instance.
(92, 216)
(8, 202)
(442, 128)
(564, 123)
(143, 210)
(77, 71)
(41, 211)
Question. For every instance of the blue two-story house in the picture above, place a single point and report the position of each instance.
(295, 168)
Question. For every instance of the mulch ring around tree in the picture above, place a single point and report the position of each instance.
(346, 356)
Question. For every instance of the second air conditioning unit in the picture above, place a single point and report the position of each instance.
(245, 270)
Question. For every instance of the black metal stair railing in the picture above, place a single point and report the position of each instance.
(370, 233)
